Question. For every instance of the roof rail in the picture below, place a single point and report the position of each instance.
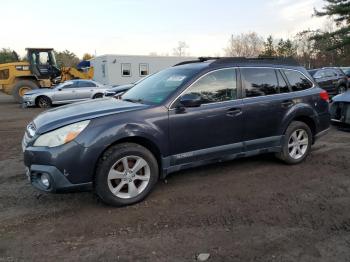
(200, 59)
(264, 60)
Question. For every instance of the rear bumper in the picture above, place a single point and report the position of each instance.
(322, 133)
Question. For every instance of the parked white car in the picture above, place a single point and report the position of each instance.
(64, 93)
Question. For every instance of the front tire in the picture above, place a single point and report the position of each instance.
(296, 143)
(126, 174)
(43, 102)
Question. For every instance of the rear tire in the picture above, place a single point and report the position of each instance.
(21, 87)
(296, 144)
(43, 102)
(126, 174)
(99, 95)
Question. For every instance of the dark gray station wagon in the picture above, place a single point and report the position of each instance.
(192, 114)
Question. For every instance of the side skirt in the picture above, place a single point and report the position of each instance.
(202, 157)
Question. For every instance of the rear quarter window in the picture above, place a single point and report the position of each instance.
(297, 80)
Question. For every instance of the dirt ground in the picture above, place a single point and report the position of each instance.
(254, 209)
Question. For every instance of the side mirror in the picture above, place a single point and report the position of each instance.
(60, 89)
(191, 100)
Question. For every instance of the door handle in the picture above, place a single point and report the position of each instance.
(287, 103)
(234, 112)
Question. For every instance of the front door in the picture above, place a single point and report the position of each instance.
(212, 129)
(66, 92)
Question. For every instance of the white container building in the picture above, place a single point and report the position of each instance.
(126, 69)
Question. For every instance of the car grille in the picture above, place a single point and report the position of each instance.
(28, 135)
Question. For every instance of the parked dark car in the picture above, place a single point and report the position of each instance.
(118, 90)
(333, 80)
(188, 115)
(121, 89)
(340, 108)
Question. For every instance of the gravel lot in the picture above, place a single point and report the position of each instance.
(254, 209)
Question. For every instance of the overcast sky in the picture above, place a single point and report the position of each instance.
(145, 26)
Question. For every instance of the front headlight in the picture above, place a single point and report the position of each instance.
(62, 135)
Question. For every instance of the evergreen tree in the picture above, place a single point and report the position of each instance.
(8, 56)
(339, 10)
(269, 48)
(66, 58)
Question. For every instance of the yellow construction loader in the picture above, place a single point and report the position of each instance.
(40, 71)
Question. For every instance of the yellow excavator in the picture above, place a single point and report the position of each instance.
(40, 71)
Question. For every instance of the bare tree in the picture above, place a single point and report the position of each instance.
(245, 45)
(180, 50)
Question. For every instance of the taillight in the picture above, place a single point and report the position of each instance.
(324, 96)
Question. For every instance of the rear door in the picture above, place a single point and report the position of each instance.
(85, 89)
(266, 100)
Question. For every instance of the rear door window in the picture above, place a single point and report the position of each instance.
(259, 81)
(297, 80)
(86, 84)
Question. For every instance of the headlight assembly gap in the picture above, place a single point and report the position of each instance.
(61, 135)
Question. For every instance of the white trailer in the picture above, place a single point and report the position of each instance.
(126, 69)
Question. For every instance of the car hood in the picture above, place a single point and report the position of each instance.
(65, 115)
(345, 97)
(39, 91)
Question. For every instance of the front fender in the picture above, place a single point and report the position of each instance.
(105, 131)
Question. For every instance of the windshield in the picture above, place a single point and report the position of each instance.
(158, 87)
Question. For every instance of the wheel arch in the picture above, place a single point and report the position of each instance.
(143, 141)
(307, 119)
(96, 94)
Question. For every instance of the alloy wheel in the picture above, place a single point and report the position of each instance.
(128, 177)
(43, 103)
(298, 144)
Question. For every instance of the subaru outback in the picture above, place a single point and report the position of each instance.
(194, 113)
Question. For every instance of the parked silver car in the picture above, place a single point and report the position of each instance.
(64, 93)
